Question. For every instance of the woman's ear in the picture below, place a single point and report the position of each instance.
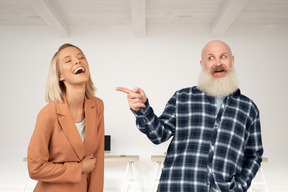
(61, 78)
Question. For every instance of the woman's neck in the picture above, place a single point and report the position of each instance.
(75, 97)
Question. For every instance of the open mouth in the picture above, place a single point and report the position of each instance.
(79, 70)
(219, 71)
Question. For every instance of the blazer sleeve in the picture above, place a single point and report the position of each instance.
(96, 180)
(39, 166)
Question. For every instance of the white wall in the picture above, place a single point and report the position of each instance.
(166, 60)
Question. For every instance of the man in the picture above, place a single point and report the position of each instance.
(216, 144)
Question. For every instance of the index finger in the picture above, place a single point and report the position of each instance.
(123, 89)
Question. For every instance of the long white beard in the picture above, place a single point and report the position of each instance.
(218, 87)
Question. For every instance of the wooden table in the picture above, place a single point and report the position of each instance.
(130, 173)
(159, 159)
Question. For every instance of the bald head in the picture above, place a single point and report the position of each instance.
(213, 45)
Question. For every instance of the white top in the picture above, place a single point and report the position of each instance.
(81, 129)
(219, 101)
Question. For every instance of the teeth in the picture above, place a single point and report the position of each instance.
(79, 70)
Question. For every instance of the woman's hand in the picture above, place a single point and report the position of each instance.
(88, 164)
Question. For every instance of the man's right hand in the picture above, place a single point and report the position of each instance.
(136, 97)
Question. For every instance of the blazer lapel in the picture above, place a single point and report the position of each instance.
(90, 116)
(69, 128)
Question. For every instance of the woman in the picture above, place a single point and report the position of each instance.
(66, 151)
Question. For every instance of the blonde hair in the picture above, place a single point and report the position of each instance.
(54, 87)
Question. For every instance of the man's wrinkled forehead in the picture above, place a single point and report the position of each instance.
(216, 45)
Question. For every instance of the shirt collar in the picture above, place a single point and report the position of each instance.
(234, 94)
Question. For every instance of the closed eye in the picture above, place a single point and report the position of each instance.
(81, 56)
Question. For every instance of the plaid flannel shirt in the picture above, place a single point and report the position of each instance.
(210, 150)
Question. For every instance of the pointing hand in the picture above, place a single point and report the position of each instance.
(136, 97)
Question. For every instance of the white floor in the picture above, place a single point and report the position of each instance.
(13, 172)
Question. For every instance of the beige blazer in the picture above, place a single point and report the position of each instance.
(56, 150)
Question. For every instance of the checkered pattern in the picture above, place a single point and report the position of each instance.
(210, 150)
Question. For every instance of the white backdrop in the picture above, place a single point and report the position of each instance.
(166, 60)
